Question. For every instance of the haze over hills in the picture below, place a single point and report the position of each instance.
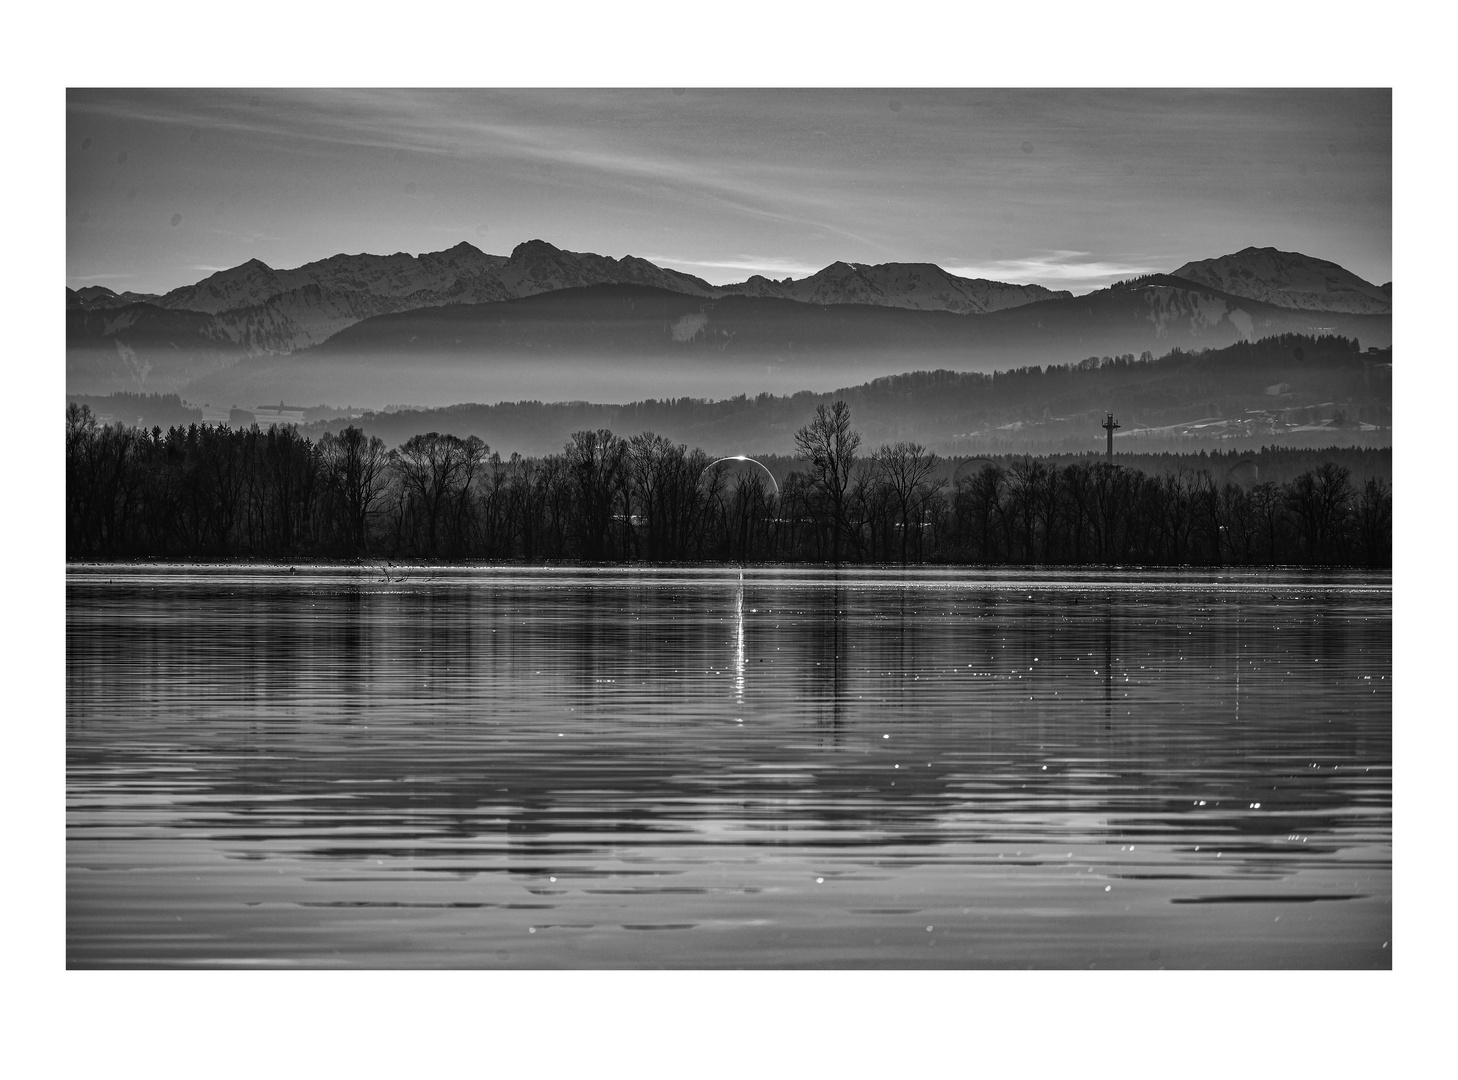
(621, 343)
(1291, 390)
(544, 323)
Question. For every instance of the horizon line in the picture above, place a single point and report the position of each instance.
(1056, 268)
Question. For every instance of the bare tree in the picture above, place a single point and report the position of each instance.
(1373, 520)
(429, 467)
(908, 469)
(597, 464)
(666, 490)
(1320, 502)
(473, 454)
(870, 510)
(1027, 477)
(829, 445)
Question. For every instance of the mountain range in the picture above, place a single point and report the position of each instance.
(462, 321)
(265, 311)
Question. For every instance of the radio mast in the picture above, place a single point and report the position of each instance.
(1110, 427)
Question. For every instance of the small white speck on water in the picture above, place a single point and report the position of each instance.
(928, 929)
(531, 929)
(551, 879)
(1108, 888)
(885, 736)
(820, 881)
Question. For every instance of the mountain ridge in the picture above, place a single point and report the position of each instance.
(380, 284)
(1290, 279)
(352, 287)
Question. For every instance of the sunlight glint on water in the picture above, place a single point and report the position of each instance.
(703, 768)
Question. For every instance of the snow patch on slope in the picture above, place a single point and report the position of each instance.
(1291, 280)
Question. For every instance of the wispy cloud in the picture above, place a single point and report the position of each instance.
(501, 130)
(1063, 268)
(763, 189)
(100, 277)
(768, 265)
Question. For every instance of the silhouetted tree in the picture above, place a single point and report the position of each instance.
(909, 471)
(829, 447)
(668, 495)
(430, 468)
(1373, 519)
(596, 461)
(1319, 502)
(354, 467)
(979, 512)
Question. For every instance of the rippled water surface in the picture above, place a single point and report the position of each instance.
(713, 768)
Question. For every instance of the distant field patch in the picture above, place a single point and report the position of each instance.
(688, 326)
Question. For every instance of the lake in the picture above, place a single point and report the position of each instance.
(705, 768)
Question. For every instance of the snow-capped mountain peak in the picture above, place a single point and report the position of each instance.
(918, 286)
(1289, 279)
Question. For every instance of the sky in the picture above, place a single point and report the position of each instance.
(1071, 189)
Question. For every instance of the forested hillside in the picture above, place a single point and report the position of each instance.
(1293, 390)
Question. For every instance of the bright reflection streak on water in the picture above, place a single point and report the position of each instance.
(739, 643)
(506, 767)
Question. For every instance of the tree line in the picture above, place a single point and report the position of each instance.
(215, 491)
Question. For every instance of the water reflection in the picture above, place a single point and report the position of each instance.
(739, 643)
(743, 768)
(1109, 664)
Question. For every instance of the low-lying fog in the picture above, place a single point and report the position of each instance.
(438, 381)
